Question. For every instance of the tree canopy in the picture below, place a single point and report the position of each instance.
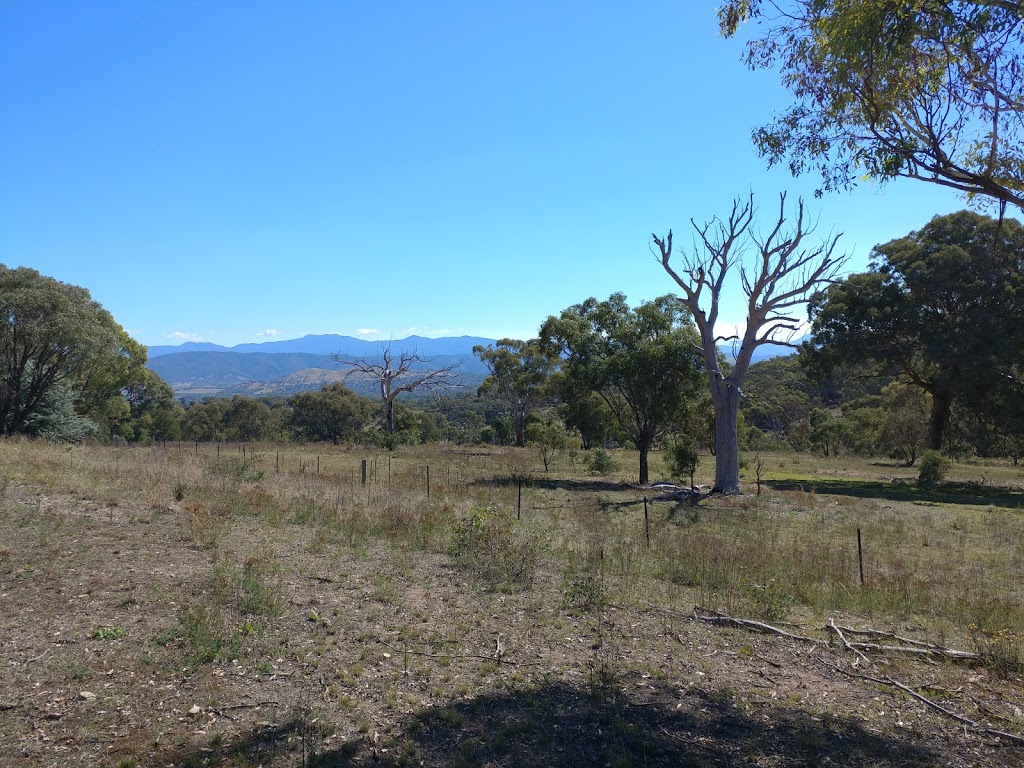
(941, 307)
(645, 363)
(921, 89)
(56, 341)
(519, 375)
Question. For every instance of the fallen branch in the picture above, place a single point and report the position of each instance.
(845, 642)
(913, 646)
(966, 721)
(714, 617)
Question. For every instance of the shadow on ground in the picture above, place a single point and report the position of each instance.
(564, 725)
(946, 493)
(553, 484)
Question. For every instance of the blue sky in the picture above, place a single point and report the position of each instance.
(242, 171)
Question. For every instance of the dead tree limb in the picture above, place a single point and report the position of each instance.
(932, 704)
(845, 642)
(394, 376)
(714, 617)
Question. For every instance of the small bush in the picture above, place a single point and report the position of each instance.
(683, 459)
(490, 546)
(600, 462)
(583, 586)
(933, 468)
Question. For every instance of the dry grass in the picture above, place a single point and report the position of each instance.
(247, 608)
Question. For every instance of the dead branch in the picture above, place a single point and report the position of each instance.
(845, 642)
(714, 617)
(912, 646)
(928, 702)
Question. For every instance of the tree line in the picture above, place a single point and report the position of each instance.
(924, 350)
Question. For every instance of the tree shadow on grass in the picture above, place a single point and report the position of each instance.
(557, 484)
(622, 724)
(945, 493)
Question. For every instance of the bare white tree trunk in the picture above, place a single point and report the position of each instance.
(780, 276)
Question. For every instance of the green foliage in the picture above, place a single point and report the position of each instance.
(549, 438)
(334, 414)
(249, 420)
(57, 419)
(498, 552)
(601, 462)
(894, 88)
(826, 431)
(58, 346)
(642, 362)
(154, 412)
(683, 459)
(941, 306)
(108, 633)
(520, 372)
(933, 468)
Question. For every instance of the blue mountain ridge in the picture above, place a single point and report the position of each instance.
(331, 343)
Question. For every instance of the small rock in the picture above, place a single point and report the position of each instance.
(195, 710)
(87, 695)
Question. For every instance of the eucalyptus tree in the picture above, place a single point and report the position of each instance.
(644, 363)
(520, 373)
(778, 271)
(940, 307)
(922, 89)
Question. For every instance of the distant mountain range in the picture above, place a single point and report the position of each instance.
(200, 369)
(331, 343)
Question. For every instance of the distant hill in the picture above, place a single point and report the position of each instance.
(286, 367)
(763, 352)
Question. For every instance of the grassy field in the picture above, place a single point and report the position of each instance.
(192, 606)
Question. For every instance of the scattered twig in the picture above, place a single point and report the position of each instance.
(913, 646)
(497, 656)
(253, 705)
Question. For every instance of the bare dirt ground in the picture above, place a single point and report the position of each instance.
(387, 656)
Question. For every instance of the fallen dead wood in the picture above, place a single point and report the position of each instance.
(714, 617)
(915, 646)
(966, 721)
(845, 642)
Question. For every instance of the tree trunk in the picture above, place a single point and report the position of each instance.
(727, 453)
(519, 419)
(389, 412)
(644, 450)
(941, 405)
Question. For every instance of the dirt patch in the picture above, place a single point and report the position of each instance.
(125, 642)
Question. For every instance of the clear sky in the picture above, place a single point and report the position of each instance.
(239, 171)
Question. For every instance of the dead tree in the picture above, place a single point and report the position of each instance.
(395, 376)
(777, 274)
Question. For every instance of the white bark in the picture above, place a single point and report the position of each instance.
(777, 274)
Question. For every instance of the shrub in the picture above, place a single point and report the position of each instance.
(490, 546)
(683, 459)
(600, 462)
(933, 468)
